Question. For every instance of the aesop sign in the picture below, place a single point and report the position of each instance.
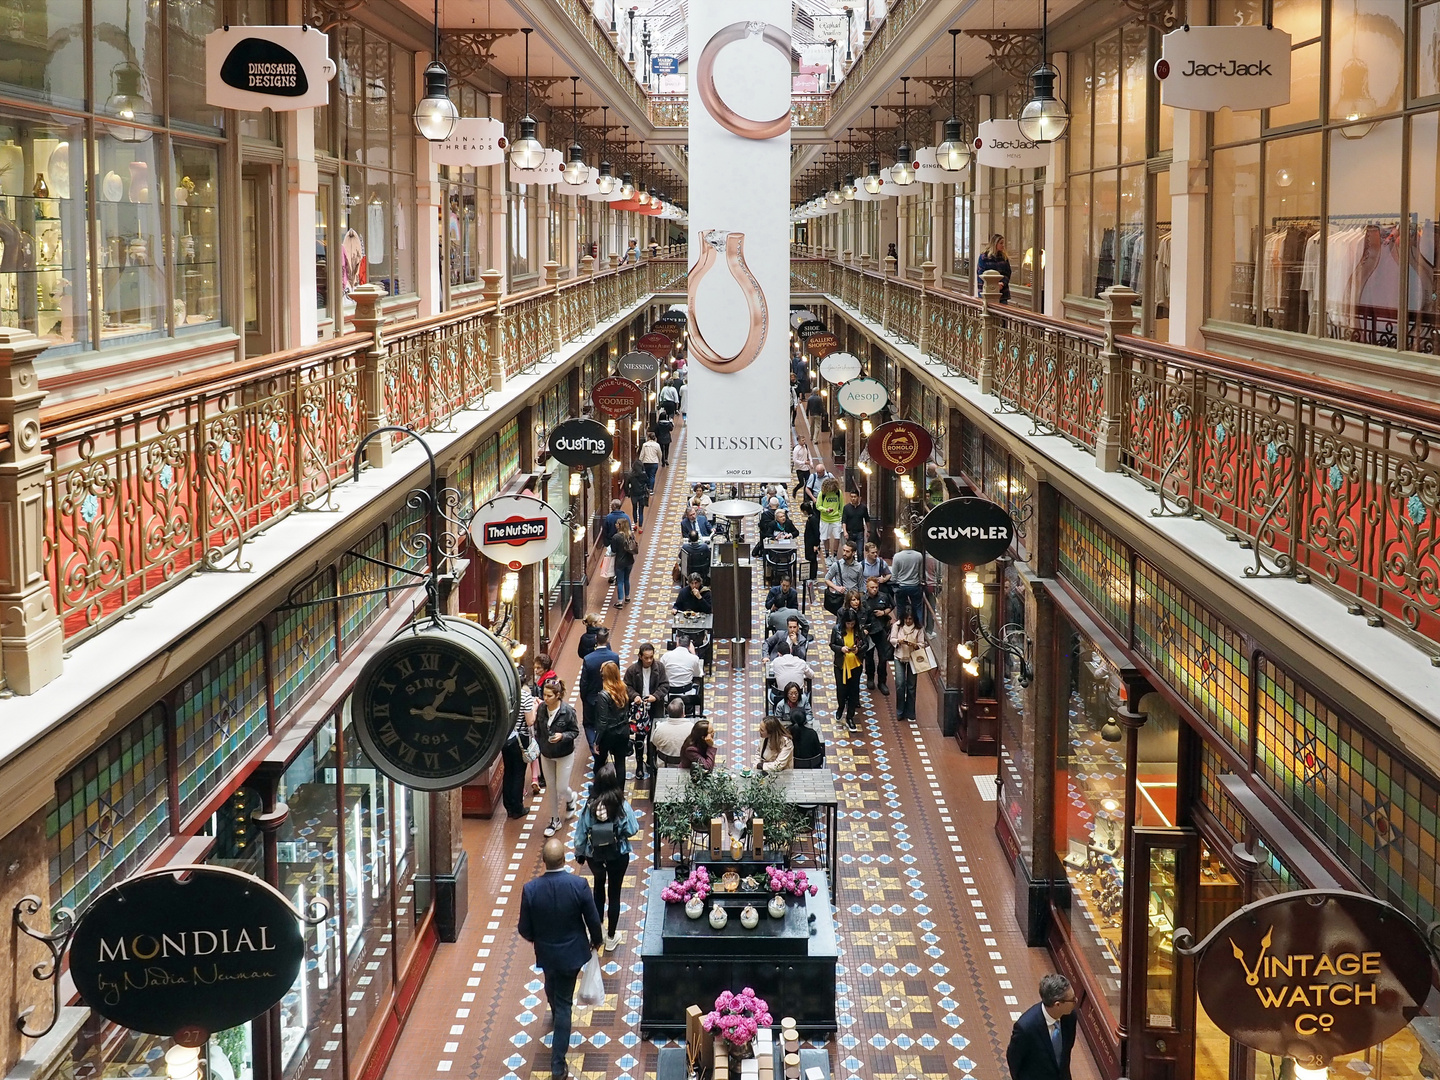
(267, 67)
(184, 958)
(580, 443)
(517, 530)
(861, 397)
(1312, 975)
(966, 532)
(1208, 68)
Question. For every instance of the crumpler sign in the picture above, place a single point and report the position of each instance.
(1208, 68)
(862, 397)
(516, 530)
(616, 397)
(656, 344)
(822, 345)
(434, 706)
(267, 67)
(1000, 144)
(840, 367)
(184, 958)
(900, 445)
(966, 532)
(1312, 975)
(639, 367)
(475, 141)
(580, 443)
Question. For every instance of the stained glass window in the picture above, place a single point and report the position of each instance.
(465, 485)
(509, 450)
(1216, 799)
(1096, 563)
(971, 448)
(219, 718)
(110, 812)
(356, 576)
(1200, 657)
(487, 470)
(1363, 802)
(407, 548)
(303, 644)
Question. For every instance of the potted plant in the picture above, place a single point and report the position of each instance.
(737, 1019)
(673, 826)
(783, 819)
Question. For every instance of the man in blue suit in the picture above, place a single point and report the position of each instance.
(1043, 1037)
(558, 915)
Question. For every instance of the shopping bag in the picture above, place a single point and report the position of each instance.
(591, 993)
(607, 566)
(922, 659)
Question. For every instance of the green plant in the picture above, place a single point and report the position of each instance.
(672, 821)
(783, 819)
(714, 795)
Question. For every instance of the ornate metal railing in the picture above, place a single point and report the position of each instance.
(1334, 484)
(897, 15)
(143, 490)
(599, 40)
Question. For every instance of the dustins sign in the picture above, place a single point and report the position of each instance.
(580, 443)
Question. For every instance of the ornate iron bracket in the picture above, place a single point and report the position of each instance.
(1163, 15)
(1015, 52)
(466, 52)
(1284, 563)
(328, 14)
(1183, 503)
(47, 970)
(1027, 671)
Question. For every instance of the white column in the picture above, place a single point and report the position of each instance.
(1055, 219)
(302, 183)
(1189, 186)
(499, 252)
(428, 199)
(984, 222)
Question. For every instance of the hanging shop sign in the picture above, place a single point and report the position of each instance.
(822, 345)
(664, 65)
(585, 187)
(1312, 975)
(928, 171)
(550, 171)
(899, 445)
(809, 328)
(672, 330)
(1208, 68)
(517, 530)
(475, 141)
(639, 367)
(966, 532)
(434, 706)
(581, 443)
(656, 344)
(267, 67)
(862, 397)
(840, 367)
(1000, 144)
(616, 396)
(186, 956)
(800, 318)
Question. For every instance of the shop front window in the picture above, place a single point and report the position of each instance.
(519, 238)
(1017, 735)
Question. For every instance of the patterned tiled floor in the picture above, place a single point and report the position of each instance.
(933, 968)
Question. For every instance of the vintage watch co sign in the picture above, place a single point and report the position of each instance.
(1312, 975)
(966, 532)
(900, 445)
(1208, 68)
(616, 397)
(516, 530)
(861, 397)
(638, 367)
(580, 443)
(267, 67)
(840, 368)
(434, 706)
(186, 956)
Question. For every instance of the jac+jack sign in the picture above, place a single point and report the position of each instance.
(1209, 68)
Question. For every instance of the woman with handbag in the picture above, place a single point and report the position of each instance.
(544, 671)
(849, 643)
(602, 838)
(513, 757)
(624, 547)
(612, 720)
(908, 640)
(556, 729)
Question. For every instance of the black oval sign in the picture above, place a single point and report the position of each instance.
(184, 958)
(966, 532)
(809, 327)
(264, 67)
(581, 443)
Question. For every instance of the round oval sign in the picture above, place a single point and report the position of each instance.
(638, 367)
(900, 445)
(656, 344)
(862, 397)
(185, 958)
(966, 532)
(840, 367)
(580, 443)
(797, 318)
(516, 530)
(809, 328)
(822, 345)
(617, 396)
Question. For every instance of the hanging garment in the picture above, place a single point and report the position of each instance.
(352, 262)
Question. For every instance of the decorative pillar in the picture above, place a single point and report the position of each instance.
(302, 184)
(32, 638)
(1119, 319)
(1052, 274)
(551, 279)
(984, 222)
(426, 234)
(1189, 189)
(368, 320)
(490, 290)
(990, 285)
(927, 283)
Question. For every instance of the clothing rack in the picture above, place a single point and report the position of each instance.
(1373, 219)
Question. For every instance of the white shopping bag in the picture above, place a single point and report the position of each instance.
(591, 993)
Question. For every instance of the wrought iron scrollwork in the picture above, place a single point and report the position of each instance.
(1002, 644)
(47, 970)
(1284, 562)
(1183, 503)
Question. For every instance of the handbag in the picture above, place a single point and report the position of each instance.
(922, 659)
(591, 992)
(834, 601)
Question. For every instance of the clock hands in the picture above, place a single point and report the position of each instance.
(445, 689)
(429, 713)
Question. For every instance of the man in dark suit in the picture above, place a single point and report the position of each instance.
(590, 681)
(1043, 1037)
(558, 915)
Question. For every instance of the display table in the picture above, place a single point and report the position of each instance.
(672, 1064)
(789, 962)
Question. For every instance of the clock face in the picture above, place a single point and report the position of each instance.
(430, 713)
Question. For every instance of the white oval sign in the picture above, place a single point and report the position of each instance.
(551, 170)
(840, 367)
(516, 530)
(1000, 144)
(1209, 68)
(475, 141)
(862, 397)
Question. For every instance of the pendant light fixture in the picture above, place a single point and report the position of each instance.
(606, 180)
(627, 182)
(130, 97)
(836, 195)
(642, 194)
(903, 172)
(527, 152)
(953, 155)
(435, 114)
(873, 180)
(848, 189)
(1355, 102)
(1045, 116)
(576, 171)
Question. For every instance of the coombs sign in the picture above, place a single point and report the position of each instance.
(580, 443)
(616, 396)
(1312, 975)
(966, 532)
(186, 957)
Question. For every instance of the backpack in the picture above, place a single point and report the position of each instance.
(604, 841)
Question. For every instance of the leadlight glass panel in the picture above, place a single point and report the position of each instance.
(1364, 803)
(487, 470)
(1216, 799)
(303, 643)
(1201, 658)
(407, 526)
(972, 449)
(1096, 563)
(509, 450)
(358, 576)
(465, 485)
(219, 717)
(110, 812)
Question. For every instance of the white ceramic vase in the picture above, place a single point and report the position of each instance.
(749, 917)
(777, 906)
(694, 907)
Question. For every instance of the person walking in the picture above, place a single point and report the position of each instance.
(907, 571)
(994, 258)
(800, 458)
(1042, 1039)
(849, 643)
(602, 839)
(855, 519)
(814, 415)
(664, 434)
(877, 612)
(556, 729)
(591, 679)
(906, 639)
(812, 534)
(514, 767)
(646, 681)
(612, 720)
(669, 399)
(624, 547)
(831, 505)
(650, 457)
(558, 916)
(637, 486)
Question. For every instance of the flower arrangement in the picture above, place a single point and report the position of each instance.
(794, 882)
(696, 885)
(737, 1018)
